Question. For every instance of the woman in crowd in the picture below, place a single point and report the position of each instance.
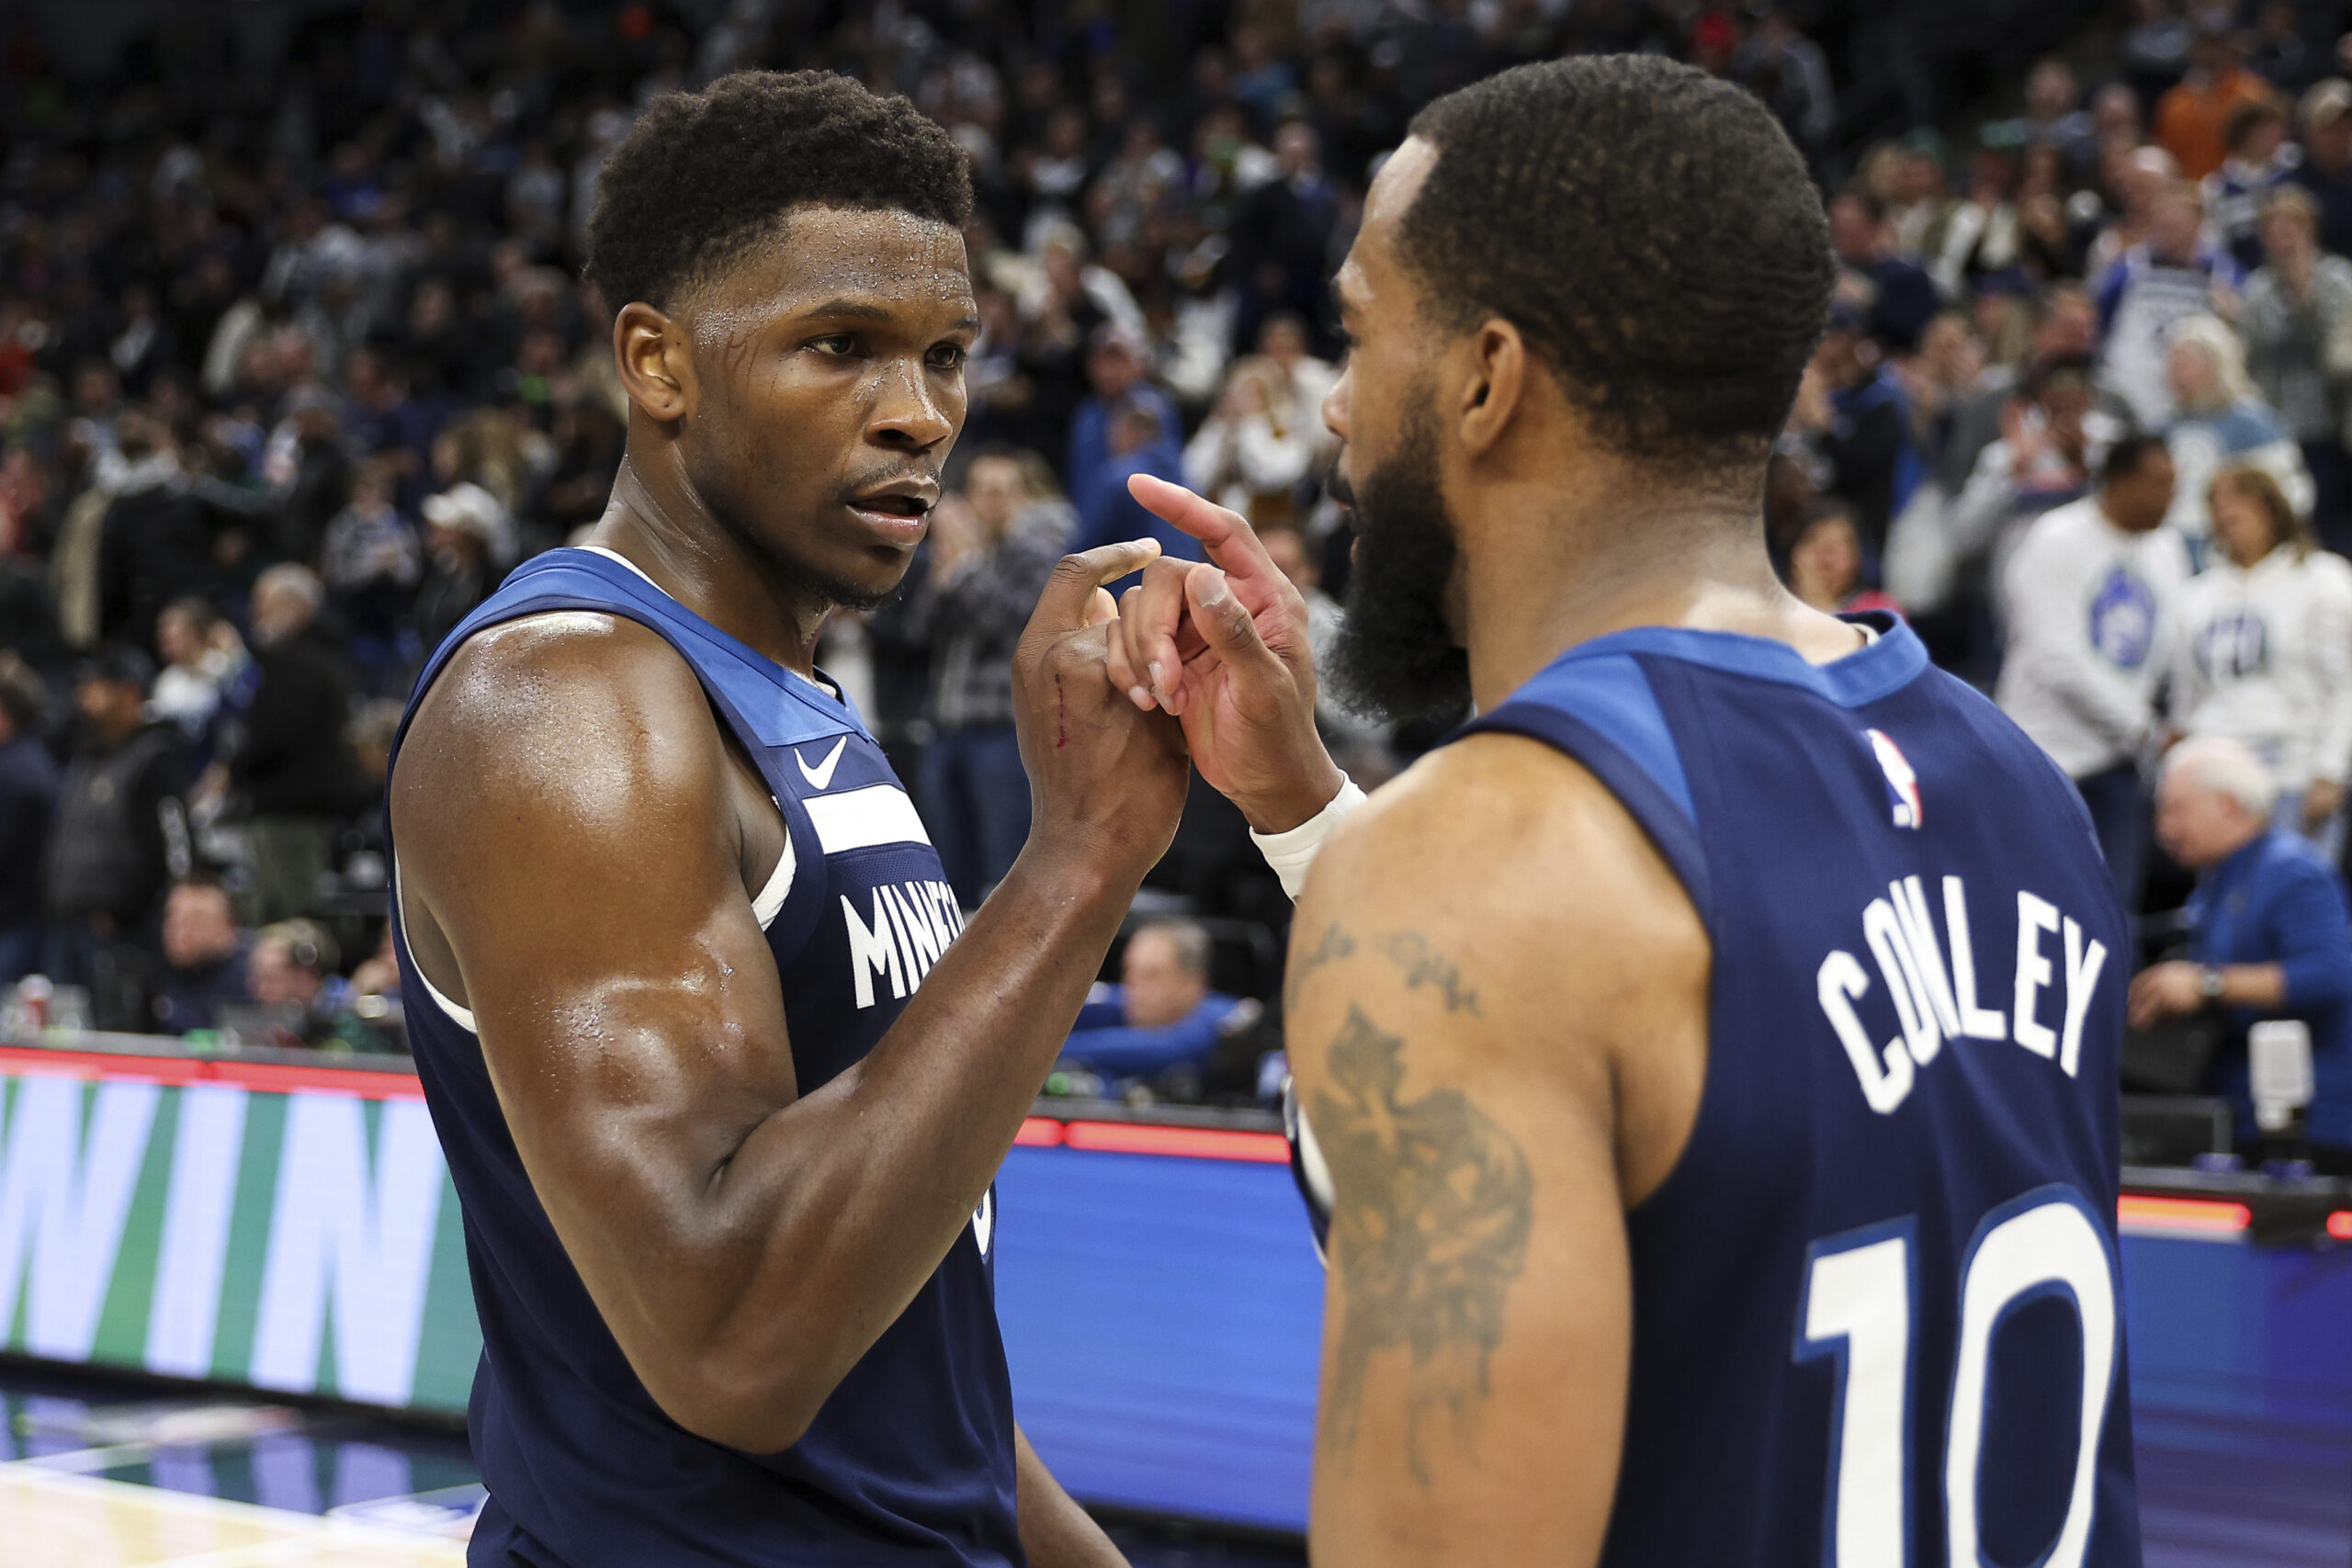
(2265, 654)
(2222, 420)
(1825, 563)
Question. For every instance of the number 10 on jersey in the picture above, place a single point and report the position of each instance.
(1861, 1307)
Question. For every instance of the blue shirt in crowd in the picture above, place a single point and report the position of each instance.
(2278, 901)
(1105, 1041)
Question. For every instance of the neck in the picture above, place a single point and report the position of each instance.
(1621, 553)
(657, 521)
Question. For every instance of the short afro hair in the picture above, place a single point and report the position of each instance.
(1651, 231)
(702, 176)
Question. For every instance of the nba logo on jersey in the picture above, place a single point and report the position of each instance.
(1901, 784)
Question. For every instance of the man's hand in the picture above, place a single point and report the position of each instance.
(1222, 645)
(1105, 781)
(2165, 990)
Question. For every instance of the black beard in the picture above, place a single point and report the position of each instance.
(1396, 658)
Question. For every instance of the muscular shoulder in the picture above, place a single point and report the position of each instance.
(575, 720)
(1498, 834)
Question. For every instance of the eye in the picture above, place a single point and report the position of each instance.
(949, 356)
(837, 345)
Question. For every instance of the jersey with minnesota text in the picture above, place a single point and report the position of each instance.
(911, 1460)
(1877, 1314)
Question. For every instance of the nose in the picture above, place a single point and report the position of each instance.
(1335, 401)
(908, 415)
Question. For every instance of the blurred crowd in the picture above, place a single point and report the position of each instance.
(295, 365)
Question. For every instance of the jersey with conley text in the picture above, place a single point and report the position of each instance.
(911, 1460)
(1877, 1310)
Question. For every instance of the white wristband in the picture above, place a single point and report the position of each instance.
(1291, 853)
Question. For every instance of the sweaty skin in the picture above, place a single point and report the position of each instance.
(1489, 1113)
(581, 840)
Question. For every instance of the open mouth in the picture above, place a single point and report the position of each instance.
(895, 520)
(894, 505)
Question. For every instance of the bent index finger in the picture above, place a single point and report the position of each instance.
(1224, 534)
(1069, 592)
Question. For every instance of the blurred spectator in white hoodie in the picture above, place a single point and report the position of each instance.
(2091, 595)
(2264, 651)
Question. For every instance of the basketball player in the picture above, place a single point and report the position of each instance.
(1709, 1057)
(665, 911)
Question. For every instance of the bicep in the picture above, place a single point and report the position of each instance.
(584, 871)
(1478, 1317)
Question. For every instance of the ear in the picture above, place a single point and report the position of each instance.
(1495, 385)
(656, 362)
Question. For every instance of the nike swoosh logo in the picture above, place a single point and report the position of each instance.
(821, 775)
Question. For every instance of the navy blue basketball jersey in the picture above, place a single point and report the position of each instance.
(1877, 1314)
(912, 1459)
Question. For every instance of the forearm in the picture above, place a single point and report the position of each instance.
(2262, 987)
(846, 1200)
(1055, 1532)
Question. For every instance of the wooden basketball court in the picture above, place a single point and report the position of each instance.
(51, 1519)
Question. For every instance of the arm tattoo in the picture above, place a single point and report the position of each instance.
(1430, 1231)
(1410, 952)
(1335, 945)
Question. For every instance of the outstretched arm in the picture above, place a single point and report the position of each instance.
(1489, 1108)
(572, 854)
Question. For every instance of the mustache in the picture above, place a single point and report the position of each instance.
(1336, 486)
(862, 484)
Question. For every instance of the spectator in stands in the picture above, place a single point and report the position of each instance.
(205, 959)
(1893, 292)
(1161, 1012)
(2298, 332)
(2327, 168)
(991, 550)
(290, 763)
(152, 545)
(2136, 178)
(311, 468)
(118, 838)
(2151, 288)
(29, 786)
(1825, 563)
(1137, 443)
(2264, 651)
(2270, 934)
(371, 564)
(2192, 120)
(2091, 595)
(1115, 363)
(2054, 116)
(292, 967)
(1282, 236)
(1852, 406)
(203, 656)
(463, 525)
(2261, 159)
(1251, 454)
(2220, 419)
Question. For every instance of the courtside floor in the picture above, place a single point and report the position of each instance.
(96, 1474)
(100, 1474)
